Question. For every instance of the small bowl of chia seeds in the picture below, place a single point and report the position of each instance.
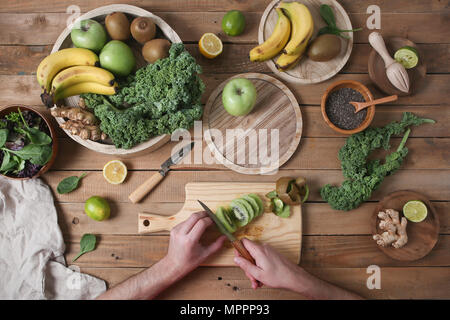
(337, 111)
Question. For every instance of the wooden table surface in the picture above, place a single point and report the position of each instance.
(337, 246)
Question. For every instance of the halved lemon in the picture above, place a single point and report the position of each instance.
(415, 211)
(210, 45)
(115, 172)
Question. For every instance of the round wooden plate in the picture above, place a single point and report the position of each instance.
(422, 236)
(377, 69)
(163, 31)
(308, 71)
(276, 112)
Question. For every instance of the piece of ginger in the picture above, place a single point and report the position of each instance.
(85, 132)
(394, 231)
(75, 114)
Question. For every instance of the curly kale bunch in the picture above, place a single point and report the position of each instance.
(160, 98)
(362, 176)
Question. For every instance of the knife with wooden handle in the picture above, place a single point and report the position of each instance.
(155, 179)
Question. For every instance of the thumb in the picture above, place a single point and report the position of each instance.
(248, 267)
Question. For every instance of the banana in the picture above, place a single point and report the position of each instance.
(62, 59)
(73, 75)
(302, 24)
(276, 42)
(86, 87)
(286, 61)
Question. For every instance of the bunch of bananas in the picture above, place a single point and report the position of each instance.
(72, 71)
(290, 36)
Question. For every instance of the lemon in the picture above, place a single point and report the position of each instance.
(115, 172)
(97, 208)
(233, 23)
(415, 211)
(210, 45)
(407, 57)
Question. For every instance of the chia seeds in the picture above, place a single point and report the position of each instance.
(341, 113)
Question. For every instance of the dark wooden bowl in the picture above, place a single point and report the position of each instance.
(13, 108)
(422, 236)
(377, 69)
(355, 85)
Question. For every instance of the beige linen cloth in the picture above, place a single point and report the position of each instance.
(32, 264)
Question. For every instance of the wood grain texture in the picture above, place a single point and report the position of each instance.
(308, 71)
(265, 138)
(283, 234)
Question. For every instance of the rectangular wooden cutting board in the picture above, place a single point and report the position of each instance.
(284, 234)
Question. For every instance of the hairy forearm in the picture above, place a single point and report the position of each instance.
(315, 288)
(145, 285)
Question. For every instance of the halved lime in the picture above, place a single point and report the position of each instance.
(415, 211)
(407, 57)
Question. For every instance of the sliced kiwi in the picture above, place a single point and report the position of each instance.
(249, 207)
(259, 202)
(253, 203)
(240, 213)
(223, 215)
(285, 212)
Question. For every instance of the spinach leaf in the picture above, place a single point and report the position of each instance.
(69, 184)
(36, 136)
(8, 164)
(39, 155)
(3, 136)
(87, 244)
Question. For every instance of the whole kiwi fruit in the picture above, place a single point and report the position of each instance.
(118, 26)
(324, 47)
(143, 29)
(156, 49)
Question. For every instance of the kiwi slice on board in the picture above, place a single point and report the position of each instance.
(240, 213)
(253, 203)
(223, 215)
(258, 201)
(249, 207)
(285, 212)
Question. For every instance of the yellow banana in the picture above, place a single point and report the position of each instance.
(286, 61)
(73, 75)
(62, 59)
(302, 24)
(276, 42)
(86, 87)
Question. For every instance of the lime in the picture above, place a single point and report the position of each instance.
(407, 57)
(415, 211)
(97, 208)
(233, 23)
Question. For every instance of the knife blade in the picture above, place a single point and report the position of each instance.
(151, 182)
(237, 244)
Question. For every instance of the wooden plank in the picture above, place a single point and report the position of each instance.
(22, 28)
(357, 251)
(318, 218)
(24, 59)
(231, 283)
(219, 5)
(25, 89)
(432, 183)
(313, 153)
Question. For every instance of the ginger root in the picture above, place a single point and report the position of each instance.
(394, 231)
(84, 131)
(75, 114)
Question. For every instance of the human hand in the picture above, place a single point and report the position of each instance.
(185, 250)
(271, 269)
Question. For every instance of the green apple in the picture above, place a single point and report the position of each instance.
(90, 35)
(118, 58)
(239, 97)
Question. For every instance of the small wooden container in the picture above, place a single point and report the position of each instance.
(355, 86)
(13, 108)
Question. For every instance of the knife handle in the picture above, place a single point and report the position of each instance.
(237, 244)
(145, 188)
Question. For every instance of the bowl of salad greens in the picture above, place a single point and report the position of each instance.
(28, 144)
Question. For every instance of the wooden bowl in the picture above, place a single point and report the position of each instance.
(377, 69)
(422, 236)
(13, 108)
(355, 85)
(308, 71)
(163, 31)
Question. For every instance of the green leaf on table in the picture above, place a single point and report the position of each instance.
(87, 244)
(3, 137)
(69, 184)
